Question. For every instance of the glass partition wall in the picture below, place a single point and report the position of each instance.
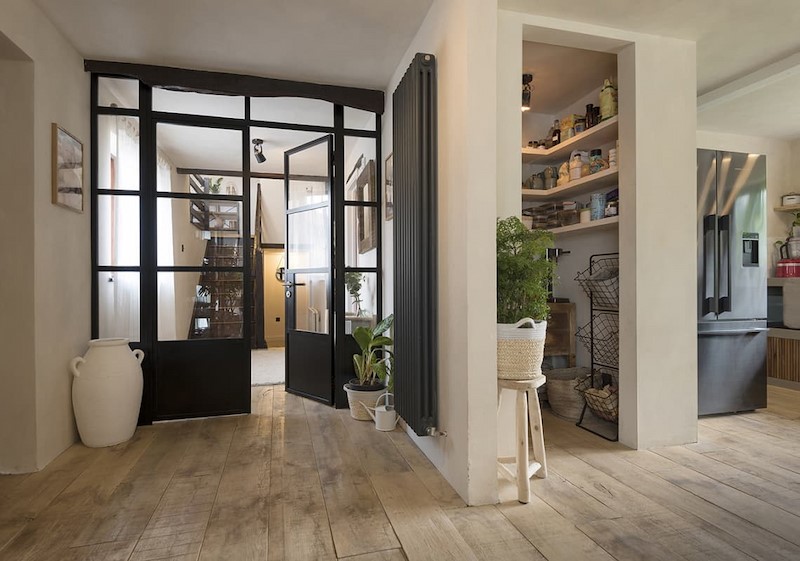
(174, 187)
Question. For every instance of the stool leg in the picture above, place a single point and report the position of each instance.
(523, 483)
(499, 398)
(537, 433)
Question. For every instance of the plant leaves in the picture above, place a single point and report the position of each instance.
(380, 341)
(363, 337)
(385, 324)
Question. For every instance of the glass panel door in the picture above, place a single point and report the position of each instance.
(309, 295)
(201, 251)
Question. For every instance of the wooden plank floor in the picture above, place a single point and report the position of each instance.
(299, 481)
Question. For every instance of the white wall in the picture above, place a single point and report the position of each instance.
(462, 36)
(781, 175)
(658, 353)
(17, 381)
(61, 271)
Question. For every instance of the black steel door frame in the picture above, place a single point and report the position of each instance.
(344, 345)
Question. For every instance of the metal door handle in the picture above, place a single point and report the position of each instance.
(709, 302)
(725, 303)
(753, 331)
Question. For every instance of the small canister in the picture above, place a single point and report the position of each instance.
(790, 199)
(585, 215)
(598, 206)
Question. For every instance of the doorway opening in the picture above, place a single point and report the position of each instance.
(227, 216)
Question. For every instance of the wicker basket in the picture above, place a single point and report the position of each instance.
(520, 350)
(564, 399)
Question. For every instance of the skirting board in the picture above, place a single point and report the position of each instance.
(783, 383)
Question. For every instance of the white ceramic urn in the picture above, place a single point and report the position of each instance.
(107, 392)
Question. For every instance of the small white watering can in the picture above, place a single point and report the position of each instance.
(385, 416)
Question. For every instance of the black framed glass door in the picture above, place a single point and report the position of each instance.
(309, 269)
(202, 248)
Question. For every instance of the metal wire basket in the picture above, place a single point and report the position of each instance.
(601, 282)
(606, 339)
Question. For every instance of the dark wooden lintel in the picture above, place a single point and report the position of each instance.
(238, 84)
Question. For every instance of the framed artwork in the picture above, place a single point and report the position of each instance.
(362, 188)
(67, 154)
(388, 194)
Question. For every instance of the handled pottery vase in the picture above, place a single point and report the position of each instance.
(107, 392)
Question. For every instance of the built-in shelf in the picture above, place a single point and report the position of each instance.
(780, 281)
(588, 184)
(605, 132)
(603, 223)
(788, 208)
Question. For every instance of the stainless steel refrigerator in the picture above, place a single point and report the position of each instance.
(732, 265)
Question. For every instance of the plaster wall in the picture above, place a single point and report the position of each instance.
(61, 261)
(658, 352)
(462, 36)
(17, 382)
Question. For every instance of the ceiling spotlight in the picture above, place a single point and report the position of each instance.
(258, 150)
(527, 88)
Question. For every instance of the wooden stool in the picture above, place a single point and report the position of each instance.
(528, 414)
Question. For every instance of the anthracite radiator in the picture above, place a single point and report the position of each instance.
(415, 245)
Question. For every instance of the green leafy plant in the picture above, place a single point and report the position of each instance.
(353, 282)
(375, 363)
(523, 271)
(214, 186)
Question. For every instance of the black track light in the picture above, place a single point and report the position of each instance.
(527, 88)
(258, 150)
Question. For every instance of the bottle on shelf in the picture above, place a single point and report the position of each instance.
(556, 134)
(590, 122)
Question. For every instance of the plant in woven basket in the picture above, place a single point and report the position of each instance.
(523, 271)
(523, 276)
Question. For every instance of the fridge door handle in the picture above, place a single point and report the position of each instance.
(725, 304)
(753, 331)
(709, 302)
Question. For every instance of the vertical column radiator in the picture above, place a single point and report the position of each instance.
(415, 245)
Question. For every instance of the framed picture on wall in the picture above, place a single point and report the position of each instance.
(388, 194)
(67, 154)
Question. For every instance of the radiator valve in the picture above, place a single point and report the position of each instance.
(433, 431)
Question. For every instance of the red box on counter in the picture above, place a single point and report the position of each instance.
(788, 268)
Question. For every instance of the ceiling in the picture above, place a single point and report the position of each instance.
(735, 39)
(573, 70)
(318, 41)
(325, 42)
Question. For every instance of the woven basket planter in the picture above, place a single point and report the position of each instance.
(565, 401)
(355, 397)
(520, 349)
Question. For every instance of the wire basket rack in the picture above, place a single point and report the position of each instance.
(600, 281)
(601, 392)
(601, 339)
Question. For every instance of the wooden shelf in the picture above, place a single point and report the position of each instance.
(594, 182)
(603, 223)
(788, 208)
(605, 132)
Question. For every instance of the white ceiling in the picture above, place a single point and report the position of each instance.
(552, 65)
(735, 38)
(359, 43)
(319, 41)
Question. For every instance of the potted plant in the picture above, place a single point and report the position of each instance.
(523, 277)
(352, 282)
(373, 368)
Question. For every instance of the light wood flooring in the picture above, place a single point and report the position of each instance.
(297, 480)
